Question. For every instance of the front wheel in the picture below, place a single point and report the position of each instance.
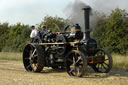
(76, 63)
(106, 65)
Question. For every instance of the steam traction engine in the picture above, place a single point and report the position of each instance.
(64, 51)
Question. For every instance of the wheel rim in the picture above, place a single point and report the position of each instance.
(75, 64)
(30, 58)
(103, 67)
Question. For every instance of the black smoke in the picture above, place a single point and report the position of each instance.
(75, 13)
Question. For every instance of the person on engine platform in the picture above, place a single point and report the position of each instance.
(34, 32)
(44, 30)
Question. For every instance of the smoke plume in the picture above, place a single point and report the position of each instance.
(75, 13)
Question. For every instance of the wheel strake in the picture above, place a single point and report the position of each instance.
(33, 58)
(76, 63)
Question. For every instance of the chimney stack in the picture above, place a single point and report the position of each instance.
(87, 22)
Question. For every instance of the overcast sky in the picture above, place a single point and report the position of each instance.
(33, 11)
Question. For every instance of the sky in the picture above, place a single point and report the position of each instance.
(33, 11)
(30, 11)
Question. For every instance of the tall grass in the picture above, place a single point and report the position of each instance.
(10, 56)
(120, 62)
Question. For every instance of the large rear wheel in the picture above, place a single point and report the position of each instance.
(76, 63)
(33, 58)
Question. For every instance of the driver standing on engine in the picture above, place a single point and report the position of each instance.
(78, 34)
(34, 32)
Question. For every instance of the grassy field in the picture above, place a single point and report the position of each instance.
(119, 61)
(11, 56)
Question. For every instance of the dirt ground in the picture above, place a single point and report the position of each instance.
(13, 73)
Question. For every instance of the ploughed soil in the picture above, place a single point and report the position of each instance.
(13, 73)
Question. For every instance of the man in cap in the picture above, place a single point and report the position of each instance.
(34, 32)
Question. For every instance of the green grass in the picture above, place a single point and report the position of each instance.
(11, 56)
(119, 61)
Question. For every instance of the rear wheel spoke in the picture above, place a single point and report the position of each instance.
(29, 66)
(72, 70)
(33, 52)
(77, 61)
(78, 70)
(74, 61)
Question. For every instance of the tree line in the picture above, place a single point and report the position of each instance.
(15, 37)
(110, 31)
